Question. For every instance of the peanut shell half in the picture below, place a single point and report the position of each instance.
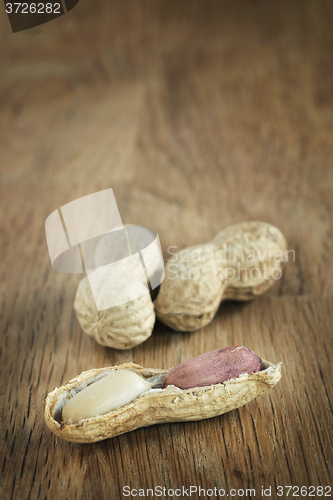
(155, 406)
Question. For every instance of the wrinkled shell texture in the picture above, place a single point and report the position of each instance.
(168, 405)
(240, 263)
(120, 327)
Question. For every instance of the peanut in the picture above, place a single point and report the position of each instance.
(91, 407)
(241, 262)
(213, 367)
(120, 327)
(131, 322)
(108, 394)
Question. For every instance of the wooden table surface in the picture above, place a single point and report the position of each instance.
(198, 115)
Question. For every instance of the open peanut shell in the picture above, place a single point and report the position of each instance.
(157, 405)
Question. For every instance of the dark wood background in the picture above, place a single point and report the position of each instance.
(198, 114)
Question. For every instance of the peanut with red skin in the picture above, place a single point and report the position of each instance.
(213, 367)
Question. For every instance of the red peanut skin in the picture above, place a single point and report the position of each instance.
(213, 367)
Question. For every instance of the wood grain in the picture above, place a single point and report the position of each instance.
(198, 115)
